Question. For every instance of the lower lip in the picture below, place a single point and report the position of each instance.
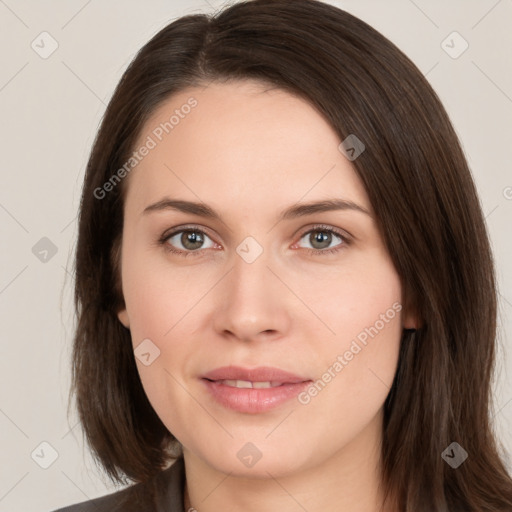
(253, 400)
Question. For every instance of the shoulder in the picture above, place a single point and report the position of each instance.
(115, 502)
(163, 493)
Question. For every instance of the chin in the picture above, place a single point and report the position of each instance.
(246, 460)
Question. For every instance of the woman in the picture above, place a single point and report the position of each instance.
(284, 283)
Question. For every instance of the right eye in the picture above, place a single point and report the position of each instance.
(186, 241)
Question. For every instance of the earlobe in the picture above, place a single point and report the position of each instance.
(410, 320)
(123, 318)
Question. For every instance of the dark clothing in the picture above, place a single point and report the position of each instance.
(164, 493)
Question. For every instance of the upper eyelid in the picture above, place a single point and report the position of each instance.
(174, 231)
(318, 227)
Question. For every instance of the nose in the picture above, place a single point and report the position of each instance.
(252, 303)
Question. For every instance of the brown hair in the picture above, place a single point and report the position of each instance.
(421, 189)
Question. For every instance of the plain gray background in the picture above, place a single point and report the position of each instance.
(50, 107)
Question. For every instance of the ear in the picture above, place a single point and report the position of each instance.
(123, 318)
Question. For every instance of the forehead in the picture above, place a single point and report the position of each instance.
(241, 139)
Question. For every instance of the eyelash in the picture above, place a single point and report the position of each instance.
(346, 241)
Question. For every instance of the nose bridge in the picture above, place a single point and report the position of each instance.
(254, 300)
(250, 279)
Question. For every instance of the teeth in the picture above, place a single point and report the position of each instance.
(262, 384)
(240, 383)
(248, 384)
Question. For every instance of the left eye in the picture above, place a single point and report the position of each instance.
(321, 238)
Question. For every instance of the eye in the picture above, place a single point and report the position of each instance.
(320, 239)
(186, 241)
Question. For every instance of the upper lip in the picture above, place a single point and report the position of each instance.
(259, 374)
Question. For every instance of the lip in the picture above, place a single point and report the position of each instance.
(253, 400)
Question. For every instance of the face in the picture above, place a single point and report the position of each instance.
(266, 333)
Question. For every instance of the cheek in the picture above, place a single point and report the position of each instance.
(159, 298)
(363, 293)
(162, 305)
(161, 310)
(359, 362)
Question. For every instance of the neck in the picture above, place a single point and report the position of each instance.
(348, 479)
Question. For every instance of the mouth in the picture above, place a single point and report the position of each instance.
(253, 391)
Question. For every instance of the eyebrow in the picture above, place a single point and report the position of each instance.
(292, 212)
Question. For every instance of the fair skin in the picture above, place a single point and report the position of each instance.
(249, 153)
